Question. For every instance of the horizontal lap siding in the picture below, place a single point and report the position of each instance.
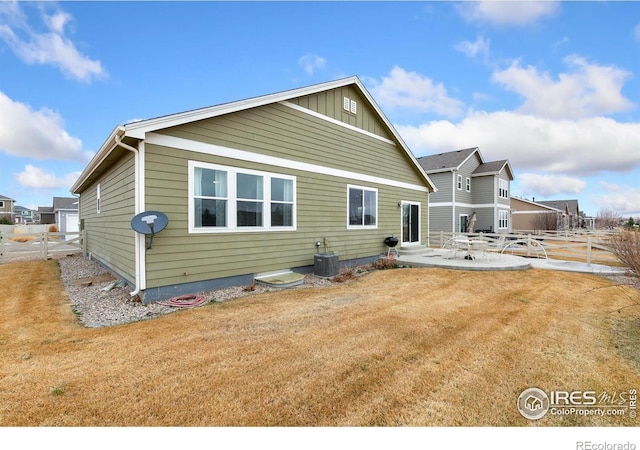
(445, 187)
(440, 218)
(110, 238)
(484, 190)
(321, 200)
(280, 131)
(179, 257)
(485, 219)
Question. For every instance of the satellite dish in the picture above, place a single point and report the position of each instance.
(149, 222)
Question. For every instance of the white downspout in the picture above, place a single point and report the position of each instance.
(137, 210)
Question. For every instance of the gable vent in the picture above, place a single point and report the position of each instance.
(349, 105)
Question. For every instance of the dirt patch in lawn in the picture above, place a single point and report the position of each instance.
(405, 347)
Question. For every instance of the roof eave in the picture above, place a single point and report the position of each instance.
(104, 151)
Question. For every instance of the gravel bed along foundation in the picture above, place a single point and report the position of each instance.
(101, 300)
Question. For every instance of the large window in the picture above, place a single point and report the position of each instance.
(363, 207)
(233, 199)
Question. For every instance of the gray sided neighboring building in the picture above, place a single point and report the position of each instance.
(467, 184)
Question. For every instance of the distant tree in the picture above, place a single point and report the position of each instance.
(608, 218)
(630, 223)
(5, 221)
(547, 221)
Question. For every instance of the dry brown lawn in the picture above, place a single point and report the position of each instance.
(406, 347)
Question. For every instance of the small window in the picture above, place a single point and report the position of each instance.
(362, 208)
(98, 199)
(459, 182)
(468, 185)
(1, 204)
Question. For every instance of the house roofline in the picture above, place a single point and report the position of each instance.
(138, 130)
(536, 204)
(497, 172)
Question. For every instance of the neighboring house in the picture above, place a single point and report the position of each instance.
(573, 217)
(528, 215)
(466, 185)
(46, 215)
(64, 214)
(65, 211)
(24, 215)
(6, 208)
(254, 186)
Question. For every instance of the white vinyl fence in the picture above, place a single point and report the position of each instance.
(40, 245)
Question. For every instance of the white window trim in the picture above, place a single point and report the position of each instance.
(1, 203)
(98, 206)
(363, 227)
(468, 184)
(232, 200)
(459, 182)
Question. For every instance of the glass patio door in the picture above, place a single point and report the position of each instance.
(410, 223)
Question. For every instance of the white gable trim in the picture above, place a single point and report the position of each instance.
(243, 155)
(139, 129)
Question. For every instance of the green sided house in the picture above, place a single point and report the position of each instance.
(252, 187)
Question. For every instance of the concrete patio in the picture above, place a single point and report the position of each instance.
(488, 261)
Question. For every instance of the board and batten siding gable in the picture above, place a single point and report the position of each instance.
(110, 238)
(321, 203)
(330, 103)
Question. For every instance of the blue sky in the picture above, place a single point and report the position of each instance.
(554, 87)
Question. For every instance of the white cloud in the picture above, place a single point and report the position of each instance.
(588, 90)
(576, 147)
(402, 89)
(51, 47)
(311, 62)
(624, 200)
(36, 178)
(36, 134)
(473, 49)
(549, 185)
(503, 13)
